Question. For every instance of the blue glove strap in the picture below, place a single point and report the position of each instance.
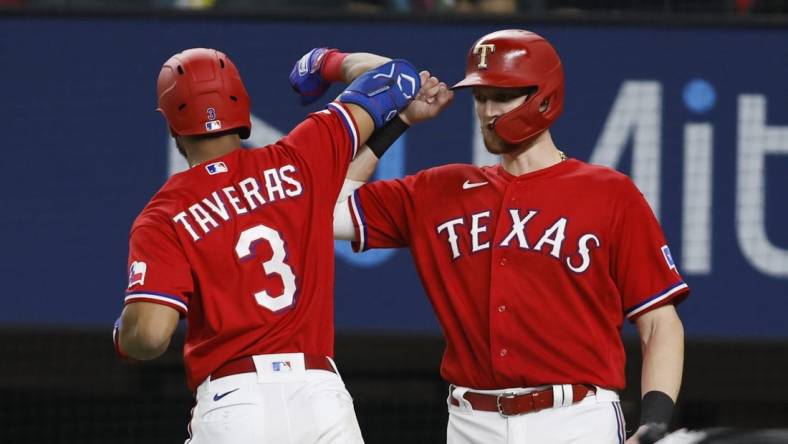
(384, 91)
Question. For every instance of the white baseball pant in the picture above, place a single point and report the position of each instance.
(597, 419)
(295, 406)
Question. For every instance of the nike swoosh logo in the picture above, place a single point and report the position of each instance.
(217, 396)
(468, 185)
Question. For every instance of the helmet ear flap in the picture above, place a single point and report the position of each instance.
(521, 123)
(545, 105)
(554, 94)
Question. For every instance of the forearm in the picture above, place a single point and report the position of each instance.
(343, 222)
(662, 346)
(361, 169)
(359, 172)
(362, 166)
(133, 344)
(663, 357)
(146, 330)
(358, 63)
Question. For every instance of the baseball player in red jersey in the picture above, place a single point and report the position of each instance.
(241, 246)
(532, 266)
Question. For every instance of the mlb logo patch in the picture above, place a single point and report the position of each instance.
(213, 125)
(216, 168)
(137, 273)
(281, 366)
(668, 257)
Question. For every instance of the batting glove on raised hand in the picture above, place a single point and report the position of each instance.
(306, 78)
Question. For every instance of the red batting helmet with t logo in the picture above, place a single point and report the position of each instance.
(514, 58)
(200, 92)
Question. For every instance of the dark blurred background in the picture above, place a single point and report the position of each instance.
(688, 97)
(711, 9)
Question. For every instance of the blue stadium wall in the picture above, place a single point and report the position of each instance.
(698, 117)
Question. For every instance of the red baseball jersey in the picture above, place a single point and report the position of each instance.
(242, 246)
(530, 276)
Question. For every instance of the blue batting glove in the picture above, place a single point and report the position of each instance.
(305, 78)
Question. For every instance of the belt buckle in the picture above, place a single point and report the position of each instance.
(505, 395)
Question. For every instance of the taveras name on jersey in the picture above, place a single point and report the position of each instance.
(247, 195)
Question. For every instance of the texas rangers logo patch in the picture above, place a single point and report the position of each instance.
(281, 366)
(668, 257)
(137, 273)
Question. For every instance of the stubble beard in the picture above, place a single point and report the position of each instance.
(493, 142)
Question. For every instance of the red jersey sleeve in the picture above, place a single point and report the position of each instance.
(642, 267)
(158, 269)
(327, 141)
(383, 212)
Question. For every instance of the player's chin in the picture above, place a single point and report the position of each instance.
(493, 143)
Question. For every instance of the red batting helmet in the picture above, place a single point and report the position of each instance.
(514, 58)
(200, 92)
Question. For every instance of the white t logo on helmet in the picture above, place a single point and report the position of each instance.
(484, 49)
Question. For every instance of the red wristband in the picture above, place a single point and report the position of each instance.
(331, 70)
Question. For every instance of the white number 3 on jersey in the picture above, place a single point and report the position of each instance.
(276, 265)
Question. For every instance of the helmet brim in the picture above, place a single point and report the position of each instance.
(472, 79)
(490, 79)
